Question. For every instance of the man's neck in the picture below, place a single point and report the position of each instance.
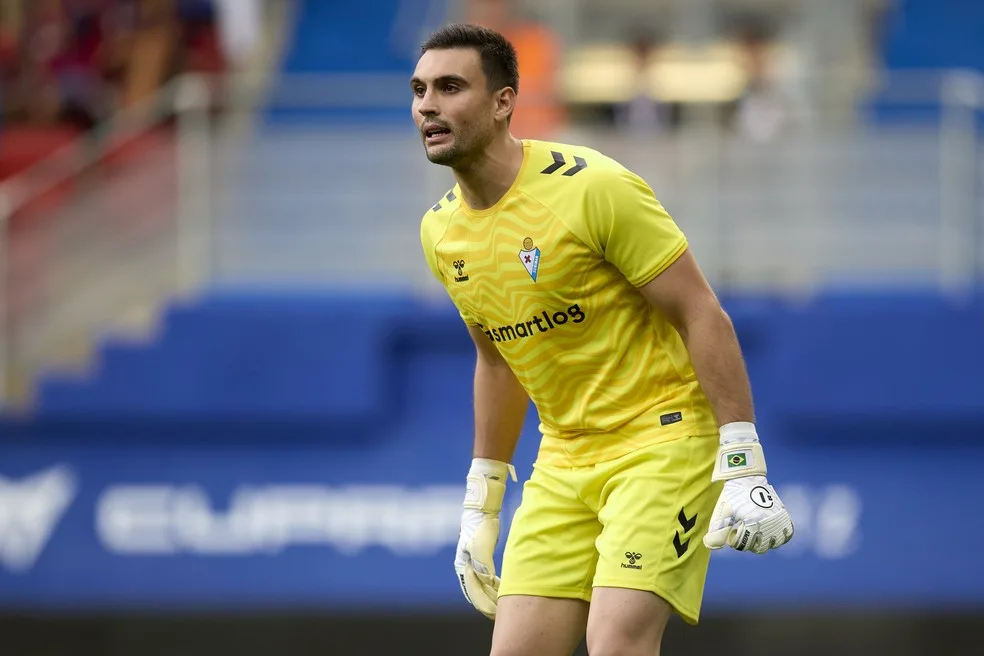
(487, 180)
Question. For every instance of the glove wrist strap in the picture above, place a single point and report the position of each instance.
(493, 468)
(738, 431)
(486, 485)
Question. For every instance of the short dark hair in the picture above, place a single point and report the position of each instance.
(499, 62)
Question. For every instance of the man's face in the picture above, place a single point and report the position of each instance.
(452, 106)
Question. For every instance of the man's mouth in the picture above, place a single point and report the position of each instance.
(435, 134)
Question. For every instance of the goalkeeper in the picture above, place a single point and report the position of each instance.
(581, 293)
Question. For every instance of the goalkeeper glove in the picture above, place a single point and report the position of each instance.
(486, 486)
(749, 516)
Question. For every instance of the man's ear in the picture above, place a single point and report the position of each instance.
(505, 103)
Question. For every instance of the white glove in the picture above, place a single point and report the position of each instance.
(479, 534)
(749, 516)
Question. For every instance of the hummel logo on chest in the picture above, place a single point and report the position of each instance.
(459, 266)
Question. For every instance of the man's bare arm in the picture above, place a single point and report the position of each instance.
(501, 402)
(683, 295)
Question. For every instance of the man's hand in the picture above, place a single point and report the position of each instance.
(749, 516)
(480, 532)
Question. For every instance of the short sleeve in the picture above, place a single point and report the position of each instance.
(627, 225)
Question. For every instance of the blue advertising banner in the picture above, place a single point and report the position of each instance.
(265, 526)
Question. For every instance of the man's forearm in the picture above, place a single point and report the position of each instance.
(500, 410)
(716, 357)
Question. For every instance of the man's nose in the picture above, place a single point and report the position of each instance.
(426, 106)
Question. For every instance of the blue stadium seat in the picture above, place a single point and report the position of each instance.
(365, 37)
(861, 370)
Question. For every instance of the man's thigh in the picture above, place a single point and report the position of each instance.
(655, 505)
(538, 626)
(550, 550)
(626, 622)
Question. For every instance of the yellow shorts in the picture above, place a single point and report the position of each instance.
(634, 522)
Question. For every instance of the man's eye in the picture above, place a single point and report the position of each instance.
(450, 88)
(418, 91)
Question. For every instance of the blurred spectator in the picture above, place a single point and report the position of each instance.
(76, 62)
(153, 50)
(540, 113)
(9, 31)
(643, 113)
(239, 23)
(75, 65)
(763, 110)
(200, 44)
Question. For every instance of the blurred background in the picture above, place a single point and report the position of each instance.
(235, 407)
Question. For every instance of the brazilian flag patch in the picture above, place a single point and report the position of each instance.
(737, 460)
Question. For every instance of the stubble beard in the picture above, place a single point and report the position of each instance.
(462, 152)
(444, 156)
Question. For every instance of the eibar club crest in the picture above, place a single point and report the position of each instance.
(530, 257)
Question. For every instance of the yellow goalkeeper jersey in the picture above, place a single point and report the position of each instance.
(550, 274)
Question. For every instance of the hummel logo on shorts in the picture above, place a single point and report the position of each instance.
(632, 557)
